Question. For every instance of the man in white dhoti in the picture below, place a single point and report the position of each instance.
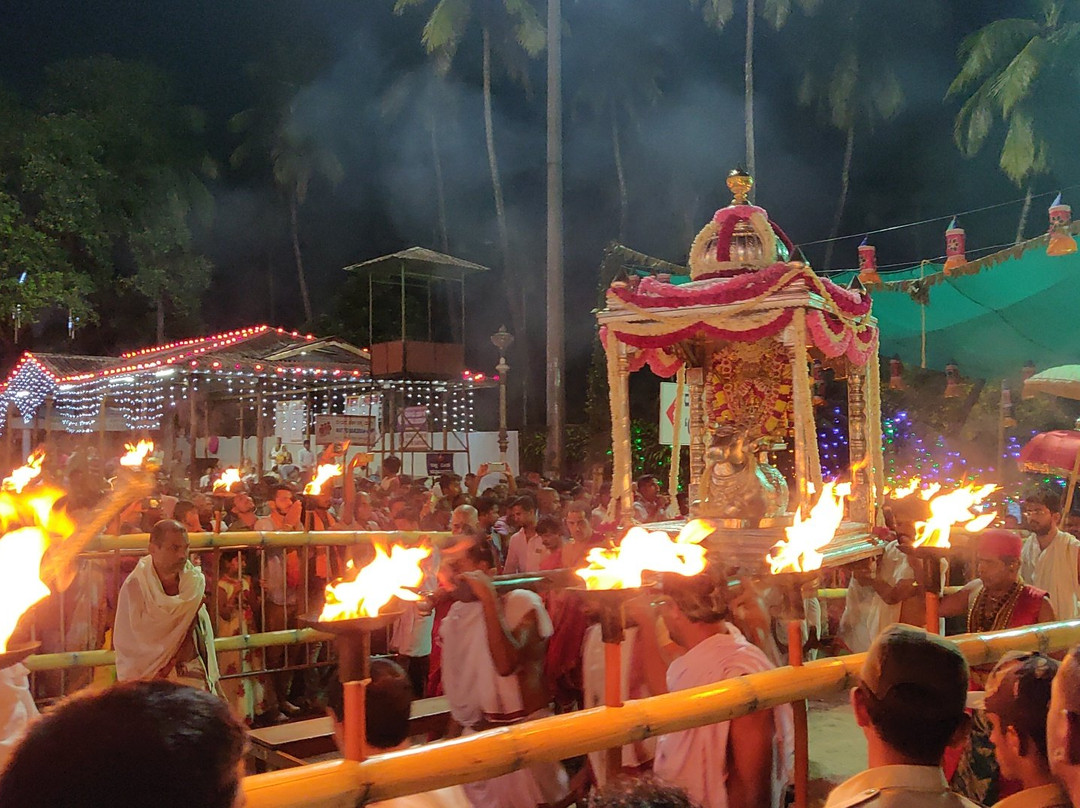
(492, 672)
(17, 708)
(163, 630)
(1051, 557)
(743, 762)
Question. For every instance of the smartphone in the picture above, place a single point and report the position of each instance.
(497, 467)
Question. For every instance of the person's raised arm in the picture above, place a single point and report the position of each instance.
(474, 484)
(508, 646)
(654, 658)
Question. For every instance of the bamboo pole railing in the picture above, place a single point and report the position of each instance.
(98, 658)
(338, 784)
(271, 538)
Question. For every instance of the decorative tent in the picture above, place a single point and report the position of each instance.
(741, 334)
(989, 315)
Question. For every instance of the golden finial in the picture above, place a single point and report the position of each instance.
(739, 183)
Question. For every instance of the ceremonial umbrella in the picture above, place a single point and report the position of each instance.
(1056, 452)
(1063, 381)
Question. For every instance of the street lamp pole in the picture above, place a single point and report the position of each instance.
(502, 340)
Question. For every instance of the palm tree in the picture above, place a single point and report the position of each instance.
(426, 94)
(614, 97)
(273, 142)
(718, 13)
(510, 29)
(1021, 71)
(850, 79)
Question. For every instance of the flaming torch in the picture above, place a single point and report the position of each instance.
(358, 605)
(931, 543)
(795, 561)
(614, 576)
(137, 454)
(324, 474)
(223, 484)
(30, 524)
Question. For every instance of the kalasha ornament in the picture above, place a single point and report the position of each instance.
(868, 274)
(952, 380)
(1061, 240)
(1026, 373)
(896, 374)
(955, 242)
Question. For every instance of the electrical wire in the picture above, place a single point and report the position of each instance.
(946, 217)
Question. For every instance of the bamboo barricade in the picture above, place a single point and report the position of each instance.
(338, 784)
(275, 538)
(98, 658)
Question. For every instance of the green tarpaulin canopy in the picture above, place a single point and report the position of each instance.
(1015, 306)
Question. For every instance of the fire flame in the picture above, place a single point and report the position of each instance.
(323, 475)
(386, 577)
(953, 508)
(29, 524)
(799, 552)
(905, 490)
(21, 476)
(640, 549)
(137, 454)
(225, 482)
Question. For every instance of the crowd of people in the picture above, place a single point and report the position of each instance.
(503, 645)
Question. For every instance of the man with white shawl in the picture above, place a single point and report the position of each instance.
(17, 708)
(747, 761)
(492, 672)
(1051, 557)
(163, 630)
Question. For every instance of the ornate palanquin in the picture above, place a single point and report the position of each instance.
(741, 335)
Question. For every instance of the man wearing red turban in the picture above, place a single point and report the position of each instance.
(996, 600)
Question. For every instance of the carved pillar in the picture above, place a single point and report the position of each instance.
(857, 442)
(695, 379)
(618, 367)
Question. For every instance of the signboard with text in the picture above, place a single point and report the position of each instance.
(440, 463)
(359, 430)
(667, 414)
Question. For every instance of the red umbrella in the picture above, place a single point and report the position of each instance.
(1051, 452)
(1056, 452)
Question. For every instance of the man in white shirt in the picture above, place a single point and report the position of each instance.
(1051, 557)
(525, 549)
(305, 459)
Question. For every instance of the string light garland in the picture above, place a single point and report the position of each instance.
(141, 386)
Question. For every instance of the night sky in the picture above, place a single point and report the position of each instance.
(677, 153)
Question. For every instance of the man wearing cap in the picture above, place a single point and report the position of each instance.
(996, 600)
(1063, 726)
(1017, 702)
(909, 703)
(1051, 557)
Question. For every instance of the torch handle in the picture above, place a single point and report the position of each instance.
(355, 719)
(802, 741)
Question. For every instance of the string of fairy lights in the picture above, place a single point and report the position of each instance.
(142, 399)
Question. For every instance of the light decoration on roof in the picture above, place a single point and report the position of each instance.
(155, 380)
